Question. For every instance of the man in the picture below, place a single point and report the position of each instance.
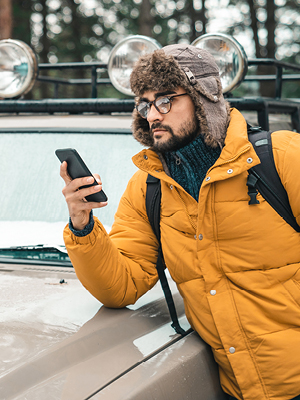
(236, 266)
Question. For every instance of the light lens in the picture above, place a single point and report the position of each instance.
(124, 55)
(230, 57)
(18, 68)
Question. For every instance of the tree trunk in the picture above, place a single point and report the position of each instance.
(196, 15)
(254, 27)
(271, 26)
(21, 20)
(5, 19)
(203, 16)
(267, 89)
(45, 88)
(146, 20)
(78, 31)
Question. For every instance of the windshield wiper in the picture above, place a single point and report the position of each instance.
(46, 254)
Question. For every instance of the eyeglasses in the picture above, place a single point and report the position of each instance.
(162, 104)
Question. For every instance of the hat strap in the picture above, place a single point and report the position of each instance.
(190, 76)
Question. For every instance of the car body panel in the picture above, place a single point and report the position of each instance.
(185, 370)
(58, 342)
(85, 121)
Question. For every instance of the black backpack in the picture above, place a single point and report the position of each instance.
(262, 178)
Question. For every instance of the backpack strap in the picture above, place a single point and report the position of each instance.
(264, 177)
(153, 197)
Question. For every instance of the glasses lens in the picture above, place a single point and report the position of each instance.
(163, 104)
(142, 109)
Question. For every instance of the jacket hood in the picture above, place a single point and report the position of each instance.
(196, 71)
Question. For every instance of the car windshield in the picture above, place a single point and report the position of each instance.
(33, 210)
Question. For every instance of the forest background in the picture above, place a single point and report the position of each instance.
(87, 30)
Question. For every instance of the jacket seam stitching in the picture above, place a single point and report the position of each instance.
(215, 232)
(186, 210)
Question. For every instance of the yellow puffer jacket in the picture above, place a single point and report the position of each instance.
(236, 266)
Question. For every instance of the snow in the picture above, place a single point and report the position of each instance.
(28, 233)
(150, 342)
(46, 302)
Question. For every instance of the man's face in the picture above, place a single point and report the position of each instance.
(175, 129)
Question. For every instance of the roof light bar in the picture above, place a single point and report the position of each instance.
(230, 57)
(18, 68)
(124, 55)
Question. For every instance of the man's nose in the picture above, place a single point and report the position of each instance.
(154, 115)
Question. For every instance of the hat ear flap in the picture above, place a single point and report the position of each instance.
(141, 129)
(210, 88)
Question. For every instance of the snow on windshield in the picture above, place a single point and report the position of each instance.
(33, 210)
(29, 233)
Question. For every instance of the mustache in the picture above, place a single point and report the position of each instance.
(158, 125)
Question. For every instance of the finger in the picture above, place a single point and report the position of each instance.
(84, 192)
(93, 204)
(75, 184)
(64, 172)
(98, 179)
(89, 205)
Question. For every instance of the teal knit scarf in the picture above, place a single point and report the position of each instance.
(189, 165)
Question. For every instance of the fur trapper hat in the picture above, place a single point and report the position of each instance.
(195, 70)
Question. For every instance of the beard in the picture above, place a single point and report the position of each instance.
(187, 132)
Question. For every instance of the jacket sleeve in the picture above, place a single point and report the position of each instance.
(120, 267)
(286, 149)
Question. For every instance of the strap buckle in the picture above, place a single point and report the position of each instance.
(252, 191)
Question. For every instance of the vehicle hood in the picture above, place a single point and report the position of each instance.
(58, 342)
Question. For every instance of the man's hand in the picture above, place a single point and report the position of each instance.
(79, 208)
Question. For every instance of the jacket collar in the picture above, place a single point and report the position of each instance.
(236, 144)
(236, 141)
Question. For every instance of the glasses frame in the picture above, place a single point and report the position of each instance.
(149, 104)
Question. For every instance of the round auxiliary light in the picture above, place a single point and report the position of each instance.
(230, 57)
(124, 55)
(18, 68)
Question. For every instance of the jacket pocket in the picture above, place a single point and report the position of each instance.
(293, 287)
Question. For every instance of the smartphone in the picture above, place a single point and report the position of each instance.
(77, 169)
